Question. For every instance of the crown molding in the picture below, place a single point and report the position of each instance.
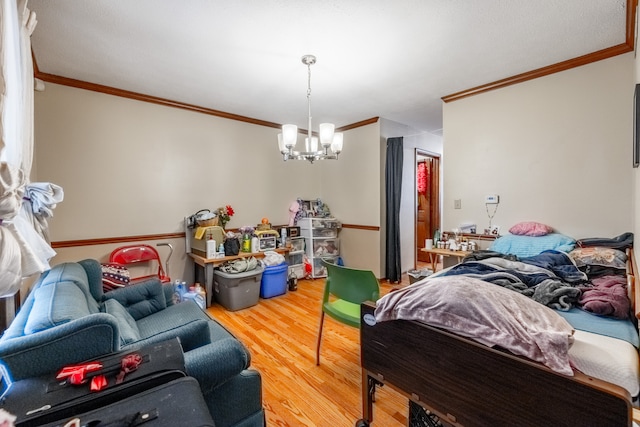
(80, 84)
(627, 46)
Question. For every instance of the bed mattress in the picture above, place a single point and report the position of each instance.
(606, 358)
(604, 348)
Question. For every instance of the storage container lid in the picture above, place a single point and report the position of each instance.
(259, 269)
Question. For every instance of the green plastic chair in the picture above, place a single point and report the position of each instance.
(344, 290)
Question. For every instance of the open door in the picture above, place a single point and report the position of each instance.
(427, 199)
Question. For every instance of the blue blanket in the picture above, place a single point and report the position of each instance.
(550, 278)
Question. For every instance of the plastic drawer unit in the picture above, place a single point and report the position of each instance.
(321, 241)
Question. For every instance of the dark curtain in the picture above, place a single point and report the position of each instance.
(393, 187)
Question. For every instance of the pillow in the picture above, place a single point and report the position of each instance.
(605, 257)
(530, 228)
(526, 246)
(487, 313)
(55, 304)
(72, 272)
(140, 299)
(114, 276)
(126, 324)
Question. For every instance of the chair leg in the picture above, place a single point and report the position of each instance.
(319, 339)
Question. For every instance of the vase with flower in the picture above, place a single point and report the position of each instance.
(224, 215)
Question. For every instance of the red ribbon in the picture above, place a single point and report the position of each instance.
(98, 383)
(129, 364)
(77, 373)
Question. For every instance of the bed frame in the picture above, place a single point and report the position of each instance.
(468, 384)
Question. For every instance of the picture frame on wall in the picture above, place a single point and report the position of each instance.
(636, 126)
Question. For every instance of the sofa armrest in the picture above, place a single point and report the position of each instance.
(141, 299)
(43, 352)
(215, 363)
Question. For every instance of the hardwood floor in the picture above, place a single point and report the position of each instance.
(281, 334)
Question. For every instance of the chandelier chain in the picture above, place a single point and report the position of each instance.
(309, 98)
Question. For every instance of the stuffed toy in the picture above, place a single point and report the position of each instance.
(294, 207)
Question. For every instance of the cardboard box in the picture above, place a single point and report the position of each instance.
(200, 235)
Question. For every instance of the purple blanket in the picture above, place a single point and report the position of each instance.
(607, 297)
(489, 314)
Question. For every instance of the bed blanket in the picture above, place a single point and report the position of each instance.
(486, 313)
(550, 278)
(607, 297)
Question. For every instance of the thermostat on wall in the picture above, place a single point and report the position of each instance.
(492, 199)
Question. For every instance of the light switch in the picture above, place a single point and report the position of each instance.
(457, 204)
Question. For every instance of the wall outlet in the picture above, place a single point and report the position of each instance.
(457, 204)
(492, 199)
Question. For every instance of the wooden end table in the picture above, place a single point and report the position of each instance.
(435, 252)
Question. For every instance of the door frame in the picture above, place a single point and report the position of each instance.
(418, 152)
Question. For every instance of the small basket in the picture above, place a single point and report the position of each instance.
(207, 222)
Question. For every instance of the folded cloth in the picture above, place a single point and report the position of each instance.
(239, 265)
(607, 297)
(44, 197)
(272, 258)
(622, 242)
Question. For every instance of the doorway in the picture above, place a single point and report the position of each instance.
(427, 196)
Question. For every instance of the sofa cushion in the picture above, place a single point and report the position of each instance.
(55, 304)
(17, 326)
(172, 317)
(72, 272)
(141, 299)
(94, 276)
(192, 334)
(126, 324)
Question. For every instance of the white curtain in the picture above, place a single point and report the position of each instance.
(23, 248)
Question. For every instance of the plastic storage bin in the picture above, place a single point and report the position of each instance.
(239, 290)
(297, 244)
(417, 275)
(274, 280)
(296, 258)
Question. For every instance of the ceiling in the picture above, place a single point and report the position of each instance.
(394, 59)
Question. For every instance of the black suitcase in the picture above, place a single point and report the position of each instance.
(35, 401)
(177, 403)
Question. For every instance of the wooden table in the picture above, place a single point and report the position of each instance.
(208, 265)
(435, 252)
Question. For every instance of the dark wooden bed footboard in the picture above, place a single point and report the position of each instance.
(468, 384)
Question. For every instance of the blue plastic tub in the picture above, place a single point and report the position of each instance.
(274, 280)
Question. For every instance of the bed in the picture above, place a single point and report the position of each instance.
(467, 383)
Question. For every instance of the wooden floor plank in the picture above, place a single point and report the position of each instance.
(281, 334)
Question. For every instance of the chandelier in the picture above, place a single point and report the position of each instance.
(330, 141)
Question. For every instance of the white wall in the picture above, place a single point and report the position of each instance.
(556, 149)
(134, 168)
(412, 140)
(636, 171)
(351, 188)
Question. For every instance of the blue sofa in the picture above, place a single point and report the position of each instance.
(67, 318)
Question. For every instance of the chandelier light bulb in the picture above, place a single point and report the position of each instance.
(336, 145)
(326, 134)
(283, 149)
(313, 146)
(290, 135)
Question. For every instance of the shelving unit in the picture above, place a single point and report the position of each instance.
(321, 241)
(296, 256)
